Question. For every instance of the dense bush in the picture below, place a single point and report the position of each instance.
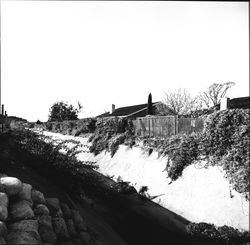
(110, 133)
(225, 142)
(219, 235)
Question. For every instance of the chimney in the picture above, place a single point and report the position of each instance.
(224, 103)
(113, 108)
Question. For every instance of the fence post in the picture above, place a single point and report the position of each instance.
(2, 117)
(176, 125)
(6, 119)
(148, 127)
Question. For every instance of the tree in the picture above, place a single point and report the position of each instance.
(150, 107)
(178, 102)
(215, 92)
(61, 111)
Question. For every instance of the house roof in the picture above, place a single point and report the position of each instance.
(105, 114)
(128, 110)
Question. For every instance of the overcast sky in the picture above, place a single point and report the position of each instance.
(117, 52)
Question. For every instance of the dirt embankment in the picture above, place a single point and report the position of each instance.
(114, 218)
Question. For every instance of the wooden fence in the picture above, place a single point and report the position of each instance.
(166, 126)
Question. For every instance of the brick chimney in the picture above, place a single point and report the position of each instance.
(113, 108)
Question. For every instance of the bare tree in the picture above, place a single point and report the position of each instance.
(178, 102)
(215, 92)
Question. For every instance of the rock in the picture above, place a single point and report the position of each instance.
(2, 240)
(44, 220)
(78, 221)
(37, 197)
(66, 211)
(41, 209)
(45, 229)
(10, 185)
(85, 238)
(3, 213)
(25, 193)
(23, 237)
(4, 200)
(77, 241)
(54, 207)
(71, 228)
(60, 228)
(3, 230)
(25, 225)
(21, 210)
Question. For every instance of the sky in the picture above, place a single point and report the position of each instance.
(117, 52)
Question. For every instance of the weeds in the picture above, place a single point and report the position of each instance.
(219, 235)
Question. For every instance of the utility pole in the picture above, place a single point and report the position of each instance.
(0, 64)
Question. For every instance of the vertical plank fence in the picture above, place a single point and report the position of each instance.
(166, 126)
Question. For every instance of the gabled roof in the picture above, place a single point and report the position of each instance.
(128, 110)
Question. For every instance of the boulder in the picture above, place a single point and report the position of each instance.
(10, 185)
(3, 230)
(85, 238)
(2, 240)
(21, 210)
(3, 213)
(25, 193)
(23, 237)
(60, 228)
(66, 211)
(4, 200)
(41, 209)
(37, 197)
(45, 229)
(78, 221)
(71, 228)
(54, 207)
(44, 220)
(25, 225)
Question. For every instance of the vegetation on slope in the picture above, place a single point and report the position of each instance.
(220, 235)
(110, 133)
(225, 142)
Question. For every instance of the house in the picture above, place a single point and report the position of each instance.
(131, 111)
